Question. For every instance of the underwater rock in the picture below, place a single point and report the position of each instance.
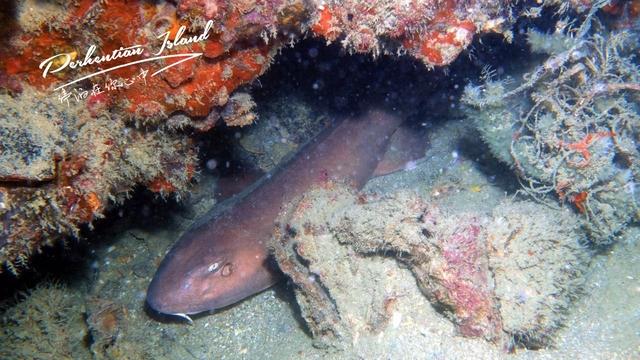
(446, 254)
(458, 276)
(569, 129)
(346, 298)
(286, 124)
(505, 278)
(538, 259)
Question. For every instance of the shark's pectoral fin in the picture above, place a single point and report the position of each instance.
(407, 145)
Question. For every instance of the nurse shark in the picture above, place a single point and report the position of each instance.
(225, 258)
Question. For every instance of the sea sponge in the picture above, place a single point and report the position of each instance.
(34, 133)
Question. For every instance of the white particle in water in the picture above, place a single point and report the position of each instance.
(410, 165)
(211, 164)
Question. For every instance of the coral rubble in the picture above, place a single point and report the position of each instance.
(506, 277)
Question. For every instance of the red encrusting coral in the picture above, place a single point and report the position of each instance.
(579, 201)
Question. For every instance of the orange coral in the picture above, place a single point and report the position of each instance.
(325, 26)
(195, 83)
(444, 43)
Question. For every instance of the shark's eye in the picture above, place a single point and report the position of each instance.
(213, 267)
(227, 269)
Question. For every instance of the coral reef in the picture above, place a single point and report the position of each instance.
(204, 51)
(94, 136)
(432, 31)
(506, 278)
(570, 128)
(71, 151)
(237, 41)
(62, 168)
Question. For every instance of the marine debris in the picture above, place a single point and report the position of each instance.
(506, 277)
(570, 127)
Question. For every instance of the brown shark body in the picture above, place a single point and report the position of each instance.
(224, 260)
